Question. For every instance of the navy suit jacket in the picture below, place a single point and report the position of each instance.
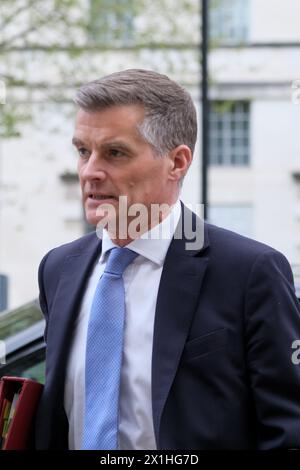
(225, 321)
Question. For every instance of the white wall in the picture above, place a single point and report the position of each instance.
(36, 213)
(275, 20)
(256, 65)
(267, 184)
(275, 155)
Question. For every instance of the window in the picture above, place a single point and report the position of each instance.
(34, 371)
(238, 218)
(111, 22)
(229, 133)
(16, 321)
(229, 20)
(29, 366)
(22, 333)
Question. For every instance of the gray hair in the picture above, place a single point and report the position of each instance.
(170, 115)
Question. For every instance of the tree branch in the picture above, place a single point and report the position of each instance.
(7, 19)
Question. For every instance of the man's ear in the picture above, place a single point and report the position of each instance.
(180, 158)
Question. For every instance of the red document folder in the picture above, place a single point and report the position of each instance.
(21, 429)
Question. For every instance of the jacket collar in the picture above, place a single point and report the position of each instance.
(177, 301)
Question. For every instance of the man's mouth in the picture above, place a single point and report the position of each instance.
(101, 197)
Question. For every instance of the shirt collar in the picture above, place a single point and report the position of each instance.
(153, 244)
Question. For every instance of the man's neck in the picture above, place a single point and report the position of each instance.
(136, 227)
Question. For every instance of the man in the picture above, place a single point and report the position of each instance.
(188, 345)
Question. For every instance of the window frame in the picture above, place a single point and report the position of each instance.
(230, 21)
(227, 126)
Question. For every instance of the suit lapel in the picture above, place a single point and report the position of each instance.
(177, 300)
(67, 302)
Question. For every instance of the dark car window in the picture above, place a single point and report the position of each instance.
(28, 363)
(35, 372)
(22, 331)
(17, 320)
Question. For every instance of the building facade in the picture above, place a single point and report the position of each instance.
(254, 172)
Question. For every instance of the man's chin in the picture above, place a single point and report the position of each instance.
(104, 221)
(100, 214)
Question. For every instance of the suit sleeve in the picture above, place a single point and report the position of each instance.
(272, 324)
(42, 292)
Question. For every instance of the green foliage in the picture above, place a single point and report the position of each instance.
(48, 47)
(12, 116)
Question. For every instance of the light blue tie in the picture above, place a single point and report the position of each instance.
(104, 354)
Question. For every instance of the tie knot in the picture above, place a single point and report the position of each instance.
(118, 260)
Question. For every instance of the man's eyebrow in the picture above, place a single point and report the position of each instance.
(116, 143)
(105, 145)
(76, 141)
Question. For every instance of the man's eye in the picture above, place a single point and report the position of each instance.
(83, 152)
(115, 153)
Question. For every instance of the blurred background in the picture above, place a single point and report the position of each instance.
(49, 47)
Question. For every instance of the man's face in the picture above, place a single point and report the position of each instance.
(114, 161)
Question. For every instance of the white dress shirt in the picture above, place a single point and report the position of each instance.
(141, 282)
